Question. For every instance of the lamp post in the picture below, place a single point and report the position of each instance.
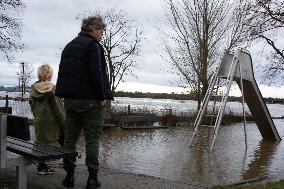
(23, 79)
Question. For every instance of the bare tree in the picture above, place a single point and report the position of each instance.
(199, 31)
(121, 41)
(238, 32)
(10, 27)
(265, 18)
(25, 76)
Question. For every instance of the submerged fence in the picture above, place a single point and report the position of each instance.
(20, 106)
(125, 105)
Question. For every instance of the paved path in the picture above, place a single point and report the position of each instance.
(110, 179)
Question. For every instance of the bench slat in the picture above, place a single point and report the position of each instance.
(30, 144)
(33, 151)
(28, 153)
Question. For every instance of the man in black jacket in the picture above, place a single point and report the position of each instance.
(84, 85)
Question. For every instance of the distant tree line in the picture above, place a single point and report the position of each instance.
(177, 96)
(174, 96)
(13, 88)
(154, 95)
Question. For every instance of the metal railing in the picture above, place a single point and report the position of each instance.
(16, 106)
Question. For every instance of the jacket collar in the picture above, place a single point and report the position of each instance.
(85, 34)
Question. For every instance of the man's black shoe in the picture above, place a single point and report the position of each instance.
(69, 181)
(93, 183)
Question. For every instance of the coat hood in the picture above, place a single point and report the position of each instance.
(40, 89)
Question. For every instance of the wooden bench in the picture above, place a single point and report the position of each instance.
(9, 159)
(25, 151)
(139, 122)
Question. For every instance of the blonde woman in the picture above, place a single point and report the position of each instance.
(48, 112)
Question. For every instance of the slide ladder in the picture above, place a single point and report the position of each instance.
(210, 114)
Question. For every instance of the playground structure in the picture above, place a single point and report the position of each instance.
(238, 68)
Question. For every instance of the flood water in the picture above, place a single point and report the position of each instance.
(166, 154)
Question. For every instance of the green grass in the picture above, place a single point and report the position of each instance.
(270, 185)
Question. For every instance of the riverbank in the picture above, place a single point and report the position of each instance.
(262, 184)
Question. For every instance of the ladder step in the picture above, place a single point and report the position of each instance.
(200, 136)
(208, 126)
(216, 98)
(214, 105)
(223, 77)
(218, 86)
(216, 95)
(200, 147)
(208, 115)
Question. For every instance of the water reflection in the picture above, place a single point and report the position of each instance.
(263, 157)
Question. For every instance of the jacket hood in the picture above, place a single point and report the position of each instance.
(40, 89)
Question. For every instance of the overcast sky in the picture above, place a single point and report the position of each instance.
(49, 25)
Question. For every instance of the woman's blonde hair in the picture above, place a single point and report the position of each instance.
(45, 72)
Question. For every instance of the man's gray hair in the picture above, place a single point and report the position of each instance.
(92, 22)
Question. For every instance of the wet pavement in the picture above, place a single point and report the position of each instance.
(110, 179)
(162, 158)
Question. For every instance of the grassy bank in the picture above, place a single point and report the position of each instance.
(270, 185)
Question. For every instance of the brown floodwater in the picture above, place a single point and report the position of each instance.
(166, 154)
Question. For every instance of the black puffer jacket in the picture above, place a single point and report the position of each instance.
(82, 71)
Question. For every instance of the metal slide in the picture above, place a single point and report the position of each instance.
(254, 99)
(238, 68)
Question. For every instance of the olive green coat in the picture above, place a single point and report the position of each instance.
(48, 112)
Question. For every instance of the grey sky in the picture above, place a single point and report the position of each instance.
(49, 25)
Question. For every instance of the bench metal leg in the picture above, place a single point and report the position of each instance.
(21, 177)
